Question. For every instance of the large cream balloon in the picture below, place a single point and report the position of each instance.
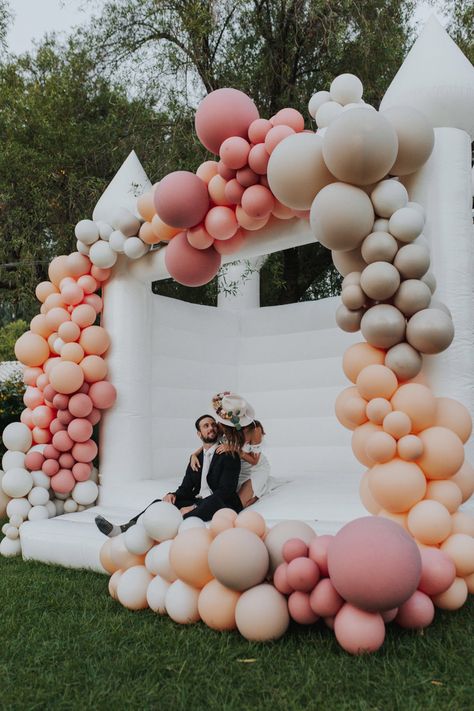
(379, 247)
(348, 262)
(412, 296)
(415, 138)
(404, 360)
(360, 147)
(296, 170)
(341, 216)
(380, 280)
(238, 559)
(388, 196)
(383, 326)
(430, 331)
(262, 614)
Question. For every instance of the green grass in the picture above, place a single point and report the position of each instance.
(68, 645)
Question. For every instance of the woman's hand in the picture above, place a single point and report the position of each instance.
(222, 449)
(195, 466)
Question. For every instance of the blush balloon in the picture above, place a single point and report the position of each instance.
(221, 114)
(81, 471)
(66, 461)
(189, 266)
(62, 442)
(181, 199)
(280, 579)
(302, 574)
(50, 452)
(34, 461)
(85, 451)
(294, 548)
(63, 482)
(258, 201)
(60, 402)
(56, 426)
(94, 417)
(417, 612)
(437, 571)
(221, 222)
(102, 394)
(80, 405)
(325, 601)
(79, 430)
(300, 610)
(318, 551)
(50, 467)
(64, 417)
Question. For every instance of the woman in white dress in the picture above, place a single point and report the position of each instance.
(244, 434)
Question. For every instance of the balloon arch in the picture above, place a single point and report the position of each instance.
(348, 178)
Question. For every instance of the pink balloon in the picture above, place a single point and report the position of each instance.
(84, 451)
(302, 574)
(232, 245)
(56, 426)
(280, 579)
(181, 199)
(66, 461)
(49, 392)
(95, 301)
(289, 117)
(221, 114)
(84, 388)
(60, 402)
(389, 615)
(62, 442)
(80, 405)
(325, 601)
(257, 201)
(233, 192)
(51, 452)
(417, 612)
(275, 136)
(34, 461)
(300, 609)
(43, 380)
(234, 152)
(246, 177)
(41, 435)
(88, 284)
(33, 397)
(65, 417)
(437, 571)
(43, 416)
(79, 430)
(221, 222)
(81, 471)
(258, 159)
(199, 238)
(94, 417)
(189, 266)
(358, 631)
(374, 563)
(63, 482)
(50, 467)
(258, 129)
(26, 417)
(224, 171)
(100, 274)
(294, 548)
(103, 394)
(250, 223)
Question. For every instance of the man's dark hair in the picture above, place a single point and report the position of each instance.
(198, 421)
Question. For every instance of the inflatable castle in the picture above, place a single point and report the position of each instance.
(349, 424)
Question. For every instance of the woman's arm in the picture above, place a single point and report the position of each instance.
(194, 461)
(255, 439)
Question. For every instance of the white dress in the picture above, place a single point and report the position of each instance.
(259, 473)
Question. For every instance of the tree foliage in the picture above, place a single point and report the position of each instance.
(11, 403)
(8, 337)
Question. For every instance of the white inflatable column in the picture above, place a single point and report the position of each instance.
(239, 285)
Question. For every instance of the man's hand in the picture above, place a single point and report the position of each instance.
(169, 498)
(187, 509)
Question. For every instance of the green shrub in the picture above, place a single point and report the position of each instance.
(11, 402)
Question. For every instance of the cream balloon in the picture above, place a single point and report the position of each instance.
(383, 326)
(379, 247)
(430, 331)
(415, 138)
(380, 280)
(388, 197)
(348, 262)
(261, 614)
(412, 261)
(412, 296)
(341, 216)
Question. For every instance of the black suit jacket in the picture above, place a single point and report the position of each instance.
(222, 479)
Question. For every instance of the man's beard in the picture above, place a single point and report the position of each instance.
(209, 439)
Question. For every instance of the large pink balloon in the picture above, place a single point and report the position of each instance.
(181, 199)
(358, 631)
(189, 266)
(221, 114)
(374, 564)
(102, 394)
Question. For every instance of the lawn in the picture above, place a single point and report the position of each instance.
(68, 645)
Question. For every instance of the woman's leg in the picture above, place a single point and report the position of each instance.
(246, 494)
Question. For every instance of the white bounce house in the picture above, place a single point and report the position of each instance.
(168, 357)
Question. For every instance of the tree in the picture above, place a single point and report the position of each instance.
(8, 337)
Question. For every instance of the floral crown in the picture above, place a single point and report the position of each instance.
(232, 416)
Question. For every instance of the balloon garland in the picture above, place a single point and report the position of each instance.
(416, 551)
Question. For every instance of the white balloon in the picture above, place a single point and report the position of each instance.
(38, 513)
(388, 196)
(101, 255)
(318, 100)
(162, 520)
(81, 508)
(327, 112)
(9, 548)
(17, 436)
(16, 520)
(137, 540)
(51, 509)
(17, 482)
(70, 506)
(126, 222)
(63, 497)
(59, 506)
(105, 230)
(417, 206)
(86, 232)
(157, 561)
(85, 492)
(191, 522)
(356, 105)
(13, 460)
(41, 479)
(181, 603)
(156, 594)
(83, 248)
(346, 89)
(5, 528)
(380, 225)
(18, 507)
(38, 496)
(132, 587)
(12, 533)
(134, 248)
(117, 241)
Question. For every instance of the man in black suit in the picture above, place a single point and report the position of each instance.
(202, 492)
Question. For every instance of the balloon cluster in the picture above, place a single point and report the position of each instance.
(103, 242)
(50, 452)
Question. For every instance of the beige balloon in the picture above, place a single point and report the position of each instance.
(380, 225)
(317, 100)
(261, 614)
(388, 197)
(346, 89)
(383, 326)
(348, 320)
(413, 295)
(406, 224)
(282, 532)
(348, 262)
(380, 280)
(360, 147)
(412, 261)
(327, 112)
(430, 331)
(404, 360)
(353, 297)
(379, 247)
(296, 170)
(238, 559)
(351, 278)
(430, 279)
(415, 138)
(341, 216)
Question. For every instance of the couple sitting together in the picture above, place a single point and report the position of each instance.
(227, 471)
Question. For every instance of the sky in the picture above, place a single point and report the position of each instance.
(34, 18)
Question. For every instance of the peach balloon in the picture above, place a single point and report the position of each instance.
(30, 375)
(366, 497)
(275, 136)
(462, 523)
(360, 437)
(376, 381)
(31, 349)
(95, 301)
(78, 264)
(397, 424)
(72, 294)
(357, 631)
(121, 556)
(350, 416)
(460, 548)
(53, 301)
(26, 418)
(258, 201)
(147, 234)
(324, 600)
(409, 447)
(199, 238)
(146, 206)
(113, 583)
(282, 212)
(232, 245)
(33, 397)
(44, 289)
(189, 556)
(400, 518)
(418, 402)
(233, 192)
(443, 453)
(429, 522)
(95, 340)
(359, 356)
(454, 416)
(43, 380)
(58, 269)
(397, 485)
(280, 580)
(464, 479)
(83, 315)
(246, 177)
(100, 274)
(106, 557)
(207, 170)
(216, 606)
(454, 597)
(258, 129)
(69, 331)
(217, 186)
(94, 368)
(258, 159)
(248, 222)
(162, 231)
(381, 447)
(234, 152)
(72, 352)
(377, 409)
(261, 614)
(252, 521)
(43, 416)
(318, 551)
(66, 377)
(56, 316)
(289, 117)
(41, 435)
(238, 558)
(40, 326)
(221, 222)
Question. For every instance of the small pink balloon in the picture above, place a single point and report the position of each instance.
(233, 192)
(389, 615)
(43, 416)
(65, 417)
(294, 548)
(84, 388)
(56, 426)
(94, 417)
(72, 294)
(224, 171)
(80, 405)
(81, 471)
(60, 402)
(181, 199)
(289, 117)
(234, 152)
(63, 482)
(358, 631)
(417, 612)
(79, 430)
(318, 551)
(103, 394)
(43, 380)
(84, 451)
(30, 375)
(41, 435)
(33, 397)
(300, 609)
(437, 571)
(325, 601)
(34, 461)
(199, 237)
(26, 417)
(302, 574)
(221, 222)
(258, 129)
(280, 579)
(246, 177)
(275, 136)
(258, 159)
(95, 301)
(257, 201)
(51, 452)
(62, 442)
(66, 461)
(221, 114)
(232, 245)
(49, 392)
(189, 266)
(88, 284)
(50, 467)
